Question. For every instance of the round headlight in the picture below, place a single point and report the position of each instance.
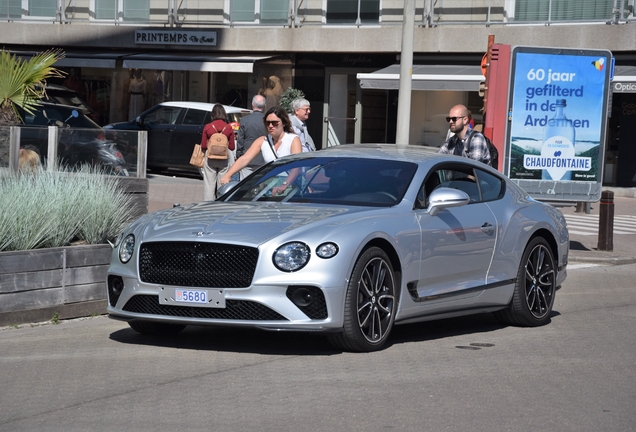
(291, 256)
(126, 248)
(327, 250)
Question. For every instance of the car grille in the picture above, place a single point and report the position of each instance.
(234, 310)
(197, 264)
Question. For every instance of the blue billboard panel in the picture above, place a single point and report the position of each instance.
(556, 123)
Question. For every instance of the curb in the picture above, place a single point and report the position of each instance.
(617, 260)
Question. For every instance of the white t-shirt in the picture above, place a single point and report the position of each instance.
(283, 150)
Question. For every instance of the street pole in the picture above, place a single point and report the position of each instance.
(406, 73)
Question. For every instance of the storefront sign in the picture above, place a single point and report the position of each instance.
(175, 37)
(624, 87)
(557, 116)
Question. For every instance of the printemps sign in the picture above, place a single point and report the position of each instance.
(557, 115)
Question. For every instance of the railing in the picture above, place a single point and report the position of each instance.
(121, 153)
(299, 13)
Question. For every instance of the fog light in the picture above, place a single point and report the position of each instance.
(302, 297)
(115, 288)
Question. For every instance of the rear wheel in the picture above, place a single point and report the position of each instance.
(370, 304)
(155, 328)
(535, 287)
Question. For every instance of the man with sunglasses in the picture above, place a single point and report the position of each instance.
(464, 142)
(300, 109)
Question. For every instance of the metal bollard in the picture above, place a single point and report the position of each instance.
(606, 222)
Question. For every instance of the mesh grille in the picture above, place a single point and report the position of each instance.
(196, 264)
(234, 310)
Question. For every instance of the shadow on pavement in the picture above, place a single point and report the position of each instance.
(255, 341)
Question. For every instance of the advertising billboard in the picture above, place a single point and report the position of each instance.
(557, 113)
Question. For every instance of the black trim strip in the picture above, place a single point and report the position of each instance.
(461, 292)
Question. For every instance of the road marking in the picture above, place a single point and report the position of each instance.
(588, 224)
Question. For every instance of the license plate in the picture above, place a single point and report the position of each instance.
(191, 296)
(211, 297)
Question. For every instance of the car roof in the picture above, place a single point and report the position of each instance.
(384, 151)
(204, 106)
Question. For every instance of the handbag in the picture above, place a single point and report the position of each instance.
(198, 156)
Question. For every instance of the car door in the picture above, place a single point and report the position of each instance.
(188, 133)
(161, 124)
(457, 243)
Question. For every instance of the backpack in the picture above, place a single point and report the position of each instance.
(218, 144)
(494, 153)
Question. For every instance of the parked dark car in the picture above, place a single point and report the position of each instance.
(173, 130)
(58, 94)
(80, 139)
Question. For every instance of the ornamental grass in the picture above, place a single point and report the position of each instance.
(42, 209)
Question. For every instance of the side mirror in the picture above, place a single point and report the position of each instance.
(443, 198)
(226, 188)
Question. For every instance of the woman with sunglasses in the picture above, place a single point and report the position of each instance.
(280, 141)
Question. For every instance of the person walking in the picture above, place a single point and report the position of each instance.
(251, 128)
(280, 141)
(464, 142)
(301, 109)
(213, 169)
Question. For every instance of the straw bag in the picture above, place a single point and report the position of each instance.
(198, 156)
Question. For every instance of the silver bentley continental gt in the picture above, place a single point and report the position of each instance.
(348, 241)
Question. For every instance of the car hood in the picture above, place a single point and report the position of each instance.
(239, 223)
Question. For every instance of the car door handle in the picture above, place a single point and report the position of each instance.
(487, 228)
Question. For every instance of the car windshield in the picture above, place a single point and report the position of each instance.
(328, 180)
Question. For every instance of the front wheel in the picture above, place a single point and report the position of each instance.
(535, 287)
(370, 304)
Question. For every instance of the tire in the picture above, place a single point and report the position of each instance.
(155, 328)
(370, 304)
(535, 287)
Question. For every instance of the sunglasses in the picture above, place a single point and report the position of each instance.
(274, 123)
(454, 119)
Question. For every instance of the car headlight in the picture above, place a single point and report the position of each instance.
(327, 250)
(126, 248)
(291, 256)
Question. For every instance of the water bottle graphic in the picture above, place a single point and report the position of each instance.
(558, 145)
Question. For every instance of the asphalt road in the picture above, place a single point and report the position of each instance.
(470, 374)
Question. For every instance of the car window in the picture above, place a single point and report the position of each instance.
(492, 187)
(195, 117)
(347, 181)
(46, 113)
(455, 177)
(162, 115)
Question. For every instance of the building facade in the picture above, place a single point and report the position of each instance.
(227, 51)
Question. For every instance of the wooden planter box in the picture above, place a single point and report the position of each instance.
(70, 280)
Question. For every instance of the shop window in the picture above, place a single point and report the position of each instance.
(11, 8)
(269, 11)
(43, 8)
(131, 10)
(353, 11)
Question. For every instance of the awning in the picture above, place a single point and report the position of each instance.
(624, 80)
(192, 62)
(78, 59)
(426, 77)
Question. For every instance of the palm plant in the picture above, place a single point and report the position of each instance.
(22, 82)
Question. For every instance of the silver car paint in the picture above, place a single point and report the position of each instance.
(495, 257)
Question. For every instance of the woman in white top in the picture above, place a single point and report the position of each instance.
(280, 141)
